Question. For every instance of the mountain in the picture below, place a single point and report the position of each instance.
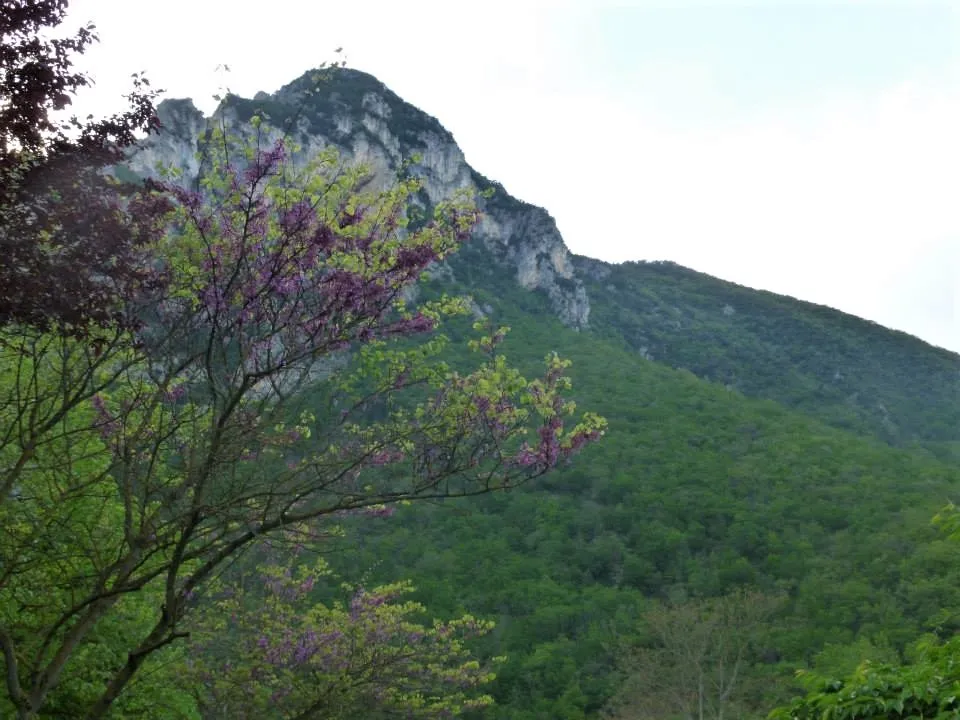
(371, 125)
(848, 372)
(754, 440)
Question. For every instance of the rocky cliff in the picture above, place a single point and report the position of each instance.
(370, 124)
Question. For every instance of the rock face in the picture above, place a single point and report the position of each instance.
(176, 144)
(370, 124)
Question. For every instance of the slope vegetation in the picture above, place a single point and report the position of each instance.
(695, 491)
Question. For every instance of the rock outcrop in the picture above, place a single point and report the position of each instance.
(370, 124)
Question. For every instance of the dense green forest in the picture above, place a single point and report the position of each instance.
(849, 372)
(697, 490)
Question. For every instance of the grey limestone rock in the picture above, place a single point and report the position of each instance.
(370, 124)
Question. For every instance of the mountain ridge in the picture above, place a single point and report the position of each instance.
(850, 372)
(809, 357)
(371, 125)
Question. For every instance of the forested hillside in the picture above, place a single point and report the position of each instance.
(849, 372)
(696, 490)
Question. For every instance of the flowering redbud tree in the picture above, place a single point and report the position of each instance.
(263, 381)
(263, 649)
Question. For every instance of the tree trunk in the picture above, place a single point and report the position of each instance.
(160, 636)
(700, 694)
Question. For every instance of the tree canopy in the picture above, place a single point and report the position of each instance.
(261, 377)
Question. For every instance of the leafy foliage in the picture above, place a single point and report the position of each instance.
(928, 688)
(695, 490)
(138, 463)
(69, 234)
(289, 657)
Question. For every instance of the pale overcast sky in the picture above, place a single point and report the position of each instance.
(808, 148)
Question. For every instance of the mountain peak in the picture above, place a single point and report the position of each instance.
(372, 125)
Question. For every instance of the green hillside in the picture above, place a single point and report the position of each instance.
(849, 372)
(696, 490)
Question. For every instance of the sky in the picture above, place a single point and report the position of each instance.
(808, 148)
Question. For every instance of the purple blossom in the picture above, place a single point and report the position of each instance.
(99, 405)
(213, 299)
(299, 216)
(175, 393)
(350, 218)
(580, 439)
(384, 457)
(415, 258)
(106, 423)
(303, 652)
(323, 238)
(189, 199)
(265, 163)
(286, 285)
(525, 457)
(419, 323)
